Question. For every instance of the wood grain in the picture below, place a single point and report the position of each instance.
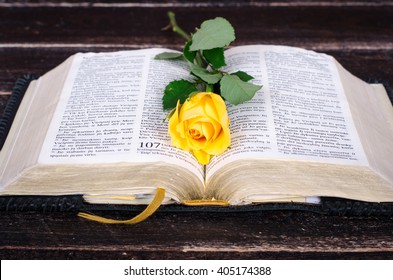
(195, 235)
(134, 26)
(37, 35)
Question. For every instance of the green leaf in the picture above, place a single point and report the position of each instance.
(235, 91)
(168, 55)
(189, 55)
(214, 33)
(205, 75)
(243, 76)
(177, 90)
(215, 57)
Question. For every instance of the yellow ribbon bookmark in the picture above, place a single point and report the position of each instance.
(150, 209)
(203, 202)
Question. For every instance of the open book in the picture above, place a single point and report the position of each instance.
(94, 125)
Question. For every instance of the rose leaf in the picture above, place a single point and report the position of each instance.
(214, 33)
(205, 75)
(168, 55)
(236, 91)
(189, 55)
(215, 57)
(177, 90)
(243, 76)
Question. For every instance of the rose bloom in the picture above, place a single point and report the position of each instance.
(201, 126)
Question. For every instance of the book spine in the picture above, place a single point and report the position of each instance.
(12, 105)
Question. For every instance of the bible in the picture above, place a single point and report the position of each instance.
(94, 126)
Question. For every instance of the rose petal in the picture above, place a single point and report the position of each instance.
(221, 109)
(208, 130)
(220, 144)
(210, 108)
(201, 156)
(177, 136)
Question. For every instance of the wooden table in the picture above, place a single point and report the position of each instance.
(37, 35)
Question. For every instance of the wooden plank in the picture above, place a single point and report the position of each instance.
(37, 35)
(193, 235)
(199, 3)
(346, 26)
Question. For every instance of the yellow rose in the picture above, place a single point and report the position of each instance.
(201, 126)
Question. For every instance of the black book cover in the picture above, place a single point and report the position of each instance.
(75, 203)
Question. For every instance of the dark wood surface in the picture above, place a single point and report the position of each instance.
(35, 36)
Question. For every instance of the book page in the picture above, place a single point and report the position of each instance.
(31, 122)
(301, 113)
(110, 111)
(373, 116)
